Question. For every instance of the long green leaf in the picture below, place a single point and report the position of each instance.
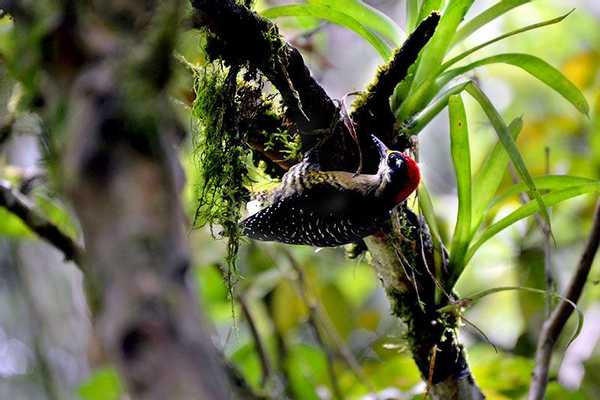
(12, 226)
(467, 53)
(485, 17)
(412, 14)
(529, 209)
(369, 17)
(431, 59)
(490, 174)
(509, 144)
(537, 67)
(426, 206)
(332, 15)
(428, 7)
(424, 117)
(548, 182)
(56, 213)
(469, 300)
(461, 159)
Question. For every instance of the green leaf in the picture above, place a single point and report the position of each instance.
(104, 384)
(502, 37)
(12, 226)
(307, 368)
(288, 308)
(424, 117)
(332, 15)
(421, 90)
(57, 214)
(509, 144)
(461, 159)
(485, 17)
(490, 174)
(529, 209)
(247, 361)
(337, 309)
(412, 14)
(537, 67)
(369, 17)
(428, 7)
(426, 206)
(548, 182)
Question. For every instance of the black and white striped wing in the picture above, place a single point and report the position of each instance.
(321, 216)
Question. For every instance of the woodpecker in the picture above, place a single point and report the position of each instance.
(332, 208)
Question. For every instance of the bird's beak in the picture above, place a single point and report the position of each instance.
(381, 148)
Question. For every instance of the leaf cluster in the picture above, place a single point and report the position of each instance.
(431, 86)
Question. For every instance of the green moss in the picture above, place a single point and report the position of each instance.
(220, 157)
(373, 87)
(402, 237)
(288, 145)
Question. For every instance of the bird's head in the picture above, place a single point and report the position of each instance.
(400, 174)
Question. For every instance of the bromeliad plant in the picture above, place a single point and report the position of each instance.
(431, 86)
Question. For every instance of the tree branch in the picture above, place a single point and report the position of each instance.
(19, 205)
(313, 322)
(263, 48)
(263, 357)
(372, 113)
(554, 325)
(402, 253)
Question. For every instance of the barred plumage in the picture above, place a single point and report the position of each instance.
(331, 208)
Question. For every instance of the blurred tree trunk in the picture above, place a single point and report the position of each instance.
(97, 74)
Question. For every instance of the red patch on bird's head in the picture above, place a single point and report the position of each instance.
(413, 175)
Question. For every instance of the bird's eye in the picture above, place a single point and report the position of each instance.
(396, 162)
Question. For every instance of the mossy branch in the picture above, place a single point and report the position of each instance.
(262, 48)
(403, 252)
(372, 113)
(17, 204)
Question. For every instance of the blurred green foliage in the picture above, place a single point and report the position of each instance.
(103, 384)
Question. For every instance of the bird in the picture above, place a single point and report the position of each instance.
(333, 208)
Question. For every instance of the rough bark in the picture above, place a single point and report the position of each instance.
(128, 203)
(403, 256)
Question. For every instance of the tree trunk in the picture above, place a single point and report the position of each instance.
(404, 259)
(101, 89)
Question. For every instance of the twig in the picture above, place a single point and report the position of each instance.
(554, 325)
(19, 205)
(434, 351)
(265, 363)
(329, 329)
(547, 233)
(547, 249)
(313, 322)
(480, 332)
